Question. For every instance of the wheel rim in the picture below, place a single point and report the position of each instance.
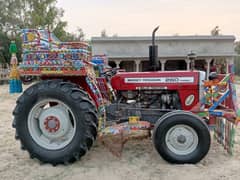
(51, 124)
(181, 139)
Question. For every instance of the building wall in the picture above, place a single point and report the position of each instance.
(120, 47)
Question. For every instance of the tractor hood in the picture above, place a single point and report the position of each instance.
(156, 80)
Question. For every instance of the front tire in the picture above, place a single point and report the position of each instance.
(55, 121)
(181, 137)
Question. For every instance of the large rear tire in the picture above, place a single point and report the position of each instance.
(181, 137)
(55, 121)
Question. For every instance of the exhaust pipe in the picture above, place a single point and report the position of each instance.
(153, 52)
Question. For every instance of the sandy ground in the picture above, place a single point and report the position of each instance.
(139, 159)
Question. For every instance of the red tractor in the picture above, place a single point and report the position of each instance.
(58, 118)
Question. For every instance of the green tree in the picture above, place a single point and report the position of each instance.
(4, 43)
(80, 36)
(237, 47)
(30, 14)
(60, 32)
(237, 59)
(11, 14)
(44, 14)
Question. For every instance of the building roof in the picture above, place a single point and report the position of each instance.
(164, 38)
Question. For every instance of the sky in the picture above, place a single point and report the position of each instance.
(139, 17)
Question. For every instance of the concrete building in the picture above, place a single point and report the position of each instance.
(131, 53)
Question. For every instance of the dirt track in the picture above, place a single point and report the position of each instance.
(139, 160)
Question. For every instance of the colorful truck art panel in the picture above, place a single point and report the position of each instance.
(44, 54)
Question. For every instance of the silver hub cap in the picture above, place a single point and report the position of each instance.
(51, 124)
(181, 139)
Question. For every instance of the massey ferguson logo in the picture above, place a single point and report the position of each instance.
(160, 80)
(171, 80)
